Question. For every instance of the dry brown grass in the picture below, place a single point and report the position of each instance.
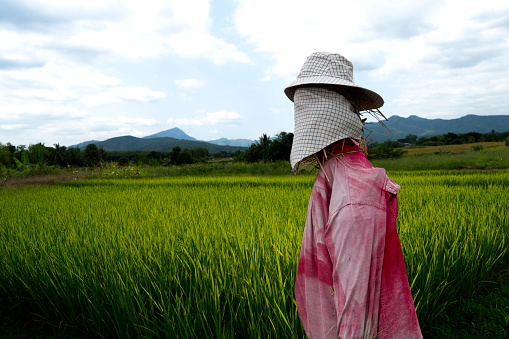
(40, 179)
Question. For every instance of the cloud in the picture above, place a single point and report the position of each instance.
(190, 83)
(216, 118)
(63, 84)
(441, 56)
(129, 29)
(118, 94)
(66, 125)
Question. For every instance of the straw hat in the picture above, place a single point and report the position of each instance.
(324, 68)
(327, 106)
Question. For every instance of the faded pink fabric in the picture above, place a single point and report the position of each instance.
(351, 280)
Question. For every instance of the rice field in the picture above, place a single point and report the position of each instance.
(205, 256)
(426, 150)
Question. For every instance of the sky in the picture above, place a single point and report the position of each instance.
(73, 71)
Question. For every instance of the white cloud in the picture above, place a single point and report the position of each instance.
(65, 83)
(436, 55)
(220, 117)
(190, 83)
(132, 29)
(137, 121)
(118, 94)
(58, 76)
(24, 124)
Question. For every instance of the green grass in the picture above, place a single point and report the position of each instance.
(483, 315)
(493, 158)
(216, 256)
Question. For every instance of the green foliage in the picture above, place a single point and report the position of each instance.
(124, 161)
(265, 149)
(482, 315)
(94, 156)
(19, 164)
(5, 155)
(205, 256)
(198, 153)
(440, 152)
(386, 150)
(24, 159)
(460, 138)
(175, 152)
(494, 158)
(280, 148)
(477, 148)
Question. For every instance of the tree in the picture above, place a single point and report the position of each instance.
(258, 149)
(59, 155)
(410, 139)
(5, 155)
(75, 157)
(37, 153)
(184, 158)
(280, 148)
(94, 156)
(175, 152)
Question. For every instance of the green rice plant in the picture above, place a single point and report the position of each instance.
(491, 158)
(216, 256)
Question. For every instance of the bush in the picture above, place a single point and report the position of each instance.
(124, 161)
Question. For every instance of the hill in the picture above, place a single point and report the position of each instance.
(130, 143)
(401, 127)
(175, 133)
(232, 142)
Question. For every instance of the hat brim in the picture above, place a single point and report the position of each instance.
(364, 97)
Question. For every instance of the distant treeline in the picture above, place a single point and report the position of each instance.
(394, 149)
(265, 149)
(454, 139)
(19, 157)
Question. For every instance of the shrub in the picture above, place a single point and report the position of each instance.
(124, 161)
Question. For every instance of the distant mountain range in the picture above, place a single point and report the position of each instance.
(399, 127)
(177, 133)
(165, 141)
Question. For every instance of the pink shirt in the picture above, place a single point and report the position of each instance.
(351, 280)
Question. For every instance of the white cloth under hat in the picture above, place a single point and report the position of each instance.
(322, 117)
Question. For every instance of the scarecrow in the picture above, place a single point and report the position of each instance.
(351, 278)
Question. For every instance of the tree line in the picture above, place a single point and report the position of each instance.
(19, 157)
(265, 149)
(454, 139)
(38, 154)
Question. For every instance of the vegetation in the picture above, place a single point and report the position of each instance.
(401, 127)
(267, 149)
(122, 250)
(161, 144)
(455, 139)
(138, 258)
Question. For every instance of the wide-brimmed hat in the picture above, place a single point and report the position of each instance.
(324, 68)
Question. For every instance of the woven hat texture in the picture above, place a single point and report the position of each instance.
(322, 117)
(334, 69)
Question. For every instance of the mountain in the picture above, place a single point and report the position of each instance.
(130, 143)
(175, 133)
(401, 127)
(83, 145)
(232, 142)
(398, 126)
